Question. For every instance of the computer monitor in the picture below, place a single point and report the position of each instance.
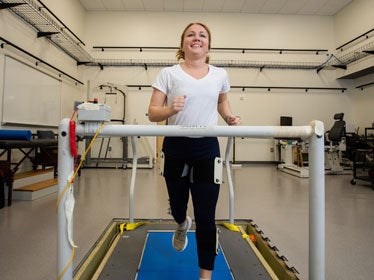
(285, 121)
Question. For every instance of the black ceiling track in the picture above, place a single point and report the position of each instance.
(365, 85)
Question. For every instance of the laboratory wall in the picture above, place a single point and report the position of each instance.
(24, 37)
(363, 103)
(347, 27)
(254, 106)
(354, 20)
(71, 13)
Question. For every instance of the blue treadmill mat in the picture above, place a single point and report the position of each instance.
(161, 261)
(124, 261)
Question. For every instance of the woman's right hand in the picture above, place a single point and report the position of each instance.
(178, 103)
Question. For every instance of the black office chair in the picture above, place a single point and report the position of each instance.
(335, 144)
(338, 130)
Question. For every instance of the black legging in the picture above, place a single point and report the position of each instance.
(204, 195)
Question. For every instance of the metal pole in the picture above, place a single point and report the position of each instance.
(65, 170)
(133, 177)
(229, 180)
(316, 204)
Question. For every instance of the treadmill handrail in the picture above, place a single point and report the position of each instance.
(314, 132)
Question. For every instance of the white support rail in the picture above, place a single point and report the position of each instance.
(133, 177)
(313, 132)
(229, 180)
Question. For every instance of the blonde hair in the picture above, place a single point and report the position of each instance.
(180, 52)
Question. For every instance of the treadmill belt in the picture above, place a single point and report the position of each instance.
(146, 253)
(161, 261)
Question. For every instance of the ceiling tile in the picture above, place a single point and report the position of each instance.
(292, 7)
(153, 5)
(173, 5)
(302, 7)
(92, 4)
(332, 7)
(133, 5)
(252, 6)
(113, 5)
(233, 5)
(213, 5)
(272, 6)
(311, 7)
(193, 5)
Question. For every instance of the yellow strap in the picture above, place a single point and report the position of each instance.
(132, 226)
(129, 226)
(121, 228)
(234, 228)
(231, 227)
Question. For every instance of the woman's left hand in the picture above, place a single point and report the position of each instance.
(233, 120)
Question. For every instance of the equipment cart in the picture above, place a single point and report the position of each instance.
(363, 163)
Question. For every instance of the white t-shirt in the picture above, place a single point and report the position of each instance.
(200, 108)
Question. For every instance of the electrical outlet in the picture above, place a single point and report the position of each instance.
(271, 150)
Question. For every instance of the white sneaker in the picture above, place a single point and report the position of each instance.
(180, 239)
